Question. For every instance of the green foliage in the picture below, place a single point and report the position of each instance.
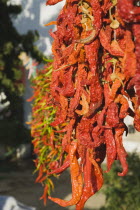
(11, 75)
(11, 44)
(28, 41)
(123, 192)
(46, 140)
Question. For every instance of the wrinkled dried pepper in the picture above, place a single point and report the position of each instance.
(76, 179)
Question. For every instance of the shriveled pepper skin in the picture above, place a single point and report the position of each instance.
(76, 179)
(88, 187)
(91, 185)
(120, 150)
(110, 148)
(128, 11)
(65, 165)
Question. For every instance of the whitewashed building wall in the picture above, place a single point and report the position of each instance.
(34, 15)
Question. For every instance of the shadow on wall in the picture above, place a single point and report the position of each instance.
(34, 15)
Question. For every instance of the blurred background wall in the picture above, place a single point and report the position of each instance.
(34, 15)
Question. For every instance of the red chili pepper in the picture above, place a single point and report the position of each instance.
(97, 172)
(67, 86)
(67, 137)
(121, 153)
(91, 51)
(52, 2)
(128, 11)
(124, 105)
(83, 131)
(44, 196)
(76, 179)
(40, 173)
(88, 190)
(63, 111)
(112, 115)
(114, 88)
(113, 48)
(96, 94)
(129, 60)
(93, 180)
(97, 13)
(81, 73)
(101, 117)
(97, 136)
(65, 165)
(110, 148)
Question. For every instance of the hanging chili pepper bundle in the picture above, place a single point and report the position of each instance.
(93, 79)
(43, 113)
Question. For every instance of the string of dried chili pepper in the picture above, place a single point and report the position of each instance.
(96, 65)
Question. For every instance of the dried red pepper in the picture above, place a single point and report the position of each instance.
(76, 179)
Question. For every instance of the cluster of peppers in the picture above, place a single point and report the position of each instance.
(43, 114)
(83, 97)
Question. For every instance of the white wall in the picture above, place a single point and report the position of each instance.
(34, 15)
